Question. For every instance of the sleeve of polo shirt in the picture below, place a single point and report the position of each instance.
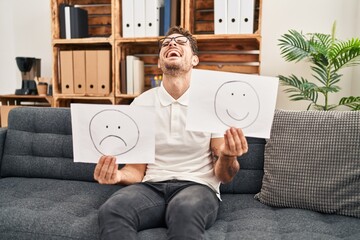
(217, 135)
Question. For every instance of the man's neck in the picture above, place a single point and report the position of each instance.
(176, 86)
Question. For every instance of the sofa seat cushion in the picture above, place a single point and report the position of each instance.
(242, 217)
(34, 208)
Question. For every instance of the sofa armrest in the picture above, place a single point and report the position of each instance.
(3, 132)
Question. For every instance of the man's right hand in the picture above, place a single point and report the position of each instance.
(106, 171)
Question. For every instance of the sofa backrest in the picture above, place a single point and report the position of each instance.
(249, 178)
(39, 144)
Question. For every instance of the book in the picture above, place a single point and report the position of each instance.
(139, 80)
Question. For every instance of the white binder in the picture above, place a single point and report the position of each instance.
(152, 18)
(127, 18)
(139, 18)
(233, 16)
(247, 16)
(220, 16)
(130, 73)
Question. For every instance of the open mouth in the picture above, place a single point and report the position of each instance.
(113, 136)
(172, 53)
(235, 116)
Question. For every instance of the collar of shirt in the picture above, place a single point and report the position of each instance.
(166, 99)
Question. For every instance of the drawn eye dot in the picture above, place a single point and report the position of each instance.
(232, 94)
(244, 94)
(118, 127)
(107, 126)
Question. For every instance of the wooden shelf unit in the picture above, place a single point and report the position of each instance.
(226, 52)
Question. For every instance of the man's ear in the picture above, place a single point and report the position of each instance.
(195, 60)
(158, 62)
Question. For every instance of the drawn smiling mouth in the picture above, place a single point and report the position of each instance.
(236, 118)
(109, 136)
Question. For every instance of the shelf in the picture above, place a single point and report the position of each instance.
(83, 41)
(26, 100)
(238, 53)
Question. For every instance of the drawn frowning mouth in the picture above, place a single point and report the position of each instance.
(114, 136)
(237, 118)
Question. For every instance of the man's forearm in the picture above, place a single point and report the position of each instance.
(226, 168)
(130, 175)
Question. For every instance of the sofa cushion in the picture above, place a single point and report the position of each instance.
(34, 208)
(312, 162)
(242, 217)
(248, 179)
(39, 144)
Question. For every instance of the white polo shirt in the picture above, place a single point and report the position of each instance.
(179, 154)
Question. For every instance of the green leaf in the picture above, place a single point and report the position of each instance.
(351, 102)
(294, 46)
(302, 88)
(345, 54)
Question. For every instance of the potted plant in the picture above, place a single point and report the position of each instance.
(327, 56)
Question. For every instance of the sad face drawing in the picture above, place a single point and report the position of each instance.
(113, 132)
(237, 104)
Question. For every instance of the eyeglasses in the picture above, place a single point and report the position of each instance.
(164, 42)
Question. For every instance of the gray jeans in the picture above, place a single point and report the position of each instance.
(185, 208)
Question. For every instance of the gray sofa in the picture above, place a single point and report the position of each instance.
(45, 195)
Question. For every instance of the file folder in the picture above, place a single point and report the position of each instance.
(247, 16)
(79, 71)
(220, 16)
(128, 18)
(233, 16)
(91, 71)
(152, 18)
(104, 67)
(139, 18)
(66, 72)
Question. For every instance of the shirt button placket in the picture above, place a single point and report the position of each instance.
(175, 108)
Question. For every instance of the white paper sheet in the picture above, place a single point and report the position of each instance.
(126, 132)
(219, 100)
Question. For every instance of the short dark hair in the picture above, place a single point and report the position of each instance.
(186, 33)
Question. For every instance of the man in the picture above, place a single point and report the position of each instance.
(180, 190)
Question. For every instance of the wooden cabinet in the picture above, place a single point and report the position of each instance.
(226, 52)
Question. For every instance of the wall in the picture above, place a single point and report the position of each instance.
(307, 16)
(25, 31)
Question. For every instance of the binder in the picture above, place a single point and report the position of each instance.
(128, 18)
(130, 73)
(167, 15)
(79, 71)
(220, 16)
(91, 71)
(104, 66)
(233, 16)
(152, 18)
(78, 22)
(247, 16)
(139, 18)
(139, 79)
(62, 20)
(123, 85)
(66, 72)
(67, 22)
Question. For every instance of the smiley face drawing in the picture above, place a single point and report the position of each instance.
(237, 104)
(113, 132)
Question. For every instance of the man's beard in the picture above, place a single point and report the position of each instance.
(171, 69)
